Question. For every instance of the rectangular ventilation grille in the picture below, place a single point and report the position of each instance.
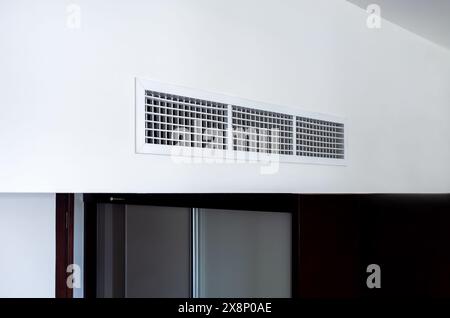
(257, 130)
(319, 138)
(183, 121)
(220, 126)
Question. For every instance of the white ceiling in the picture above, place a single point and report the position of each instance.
(427, 18)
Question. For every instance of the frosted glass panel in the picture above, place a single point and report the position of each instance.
(158, 251)
(244, 254)
(110, 250)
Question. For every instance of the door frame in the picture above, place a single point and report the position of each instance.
(269, 202)
(64, 242)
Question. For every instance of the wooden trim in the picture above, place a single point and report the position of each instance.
(295, 254)
(405, 234)
(64, 242)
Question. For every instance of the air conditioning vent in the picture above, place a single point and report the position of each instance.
(169, 116)
(319, 138)
(183, 121)
(262, 131)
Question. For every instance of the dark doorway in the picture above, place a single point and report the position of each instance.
(334, 239)
(149, 203)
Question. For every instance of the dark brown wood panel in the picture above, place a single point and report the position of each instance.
(330, 246)
(64, 242)
(408, 236)
(410, 240)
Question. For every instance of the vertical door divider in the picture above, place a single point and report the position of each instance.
(195, 252)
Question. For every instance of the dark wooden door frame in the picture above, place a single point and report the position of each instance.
(64, 242)
(229, 201)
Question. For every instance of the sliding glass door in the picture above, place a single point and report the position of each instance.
(157, 252)
(244, 254)
(153, 251)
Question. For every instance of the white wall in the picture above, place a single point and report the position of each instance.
(67, 96)
(27, 252)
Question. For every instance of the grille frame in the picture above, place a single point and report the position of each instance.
(142, 147)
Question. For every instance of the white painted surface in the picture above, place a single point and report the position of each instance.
(430, 18)
(27, 252)
(67, 102)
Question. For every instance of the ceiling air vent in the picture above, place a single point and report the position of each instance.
(319, 138)
(171, 117)
(262, 131)
(184, 121)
